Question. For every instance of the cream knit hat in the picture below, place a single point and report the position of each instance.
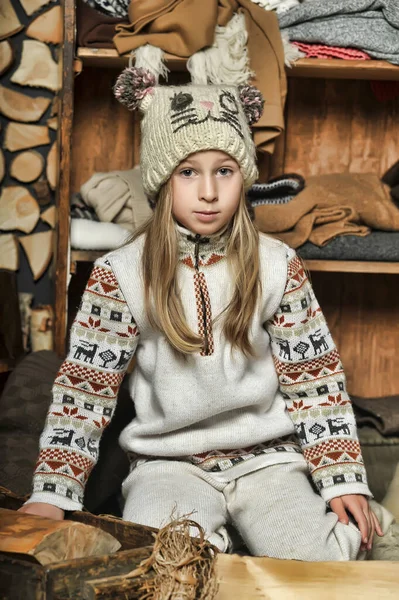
(181, 120)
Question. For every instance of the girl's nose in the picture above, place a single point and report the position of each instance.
(207, 104)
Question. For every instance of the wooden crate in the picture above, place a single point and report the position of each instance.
(23, 578)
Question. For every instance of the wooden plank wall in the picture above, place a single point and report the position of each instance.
(336, 126)
(332, 126)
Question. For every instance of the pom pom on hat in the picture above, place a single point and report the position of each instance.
(132, 85)
(252, 101)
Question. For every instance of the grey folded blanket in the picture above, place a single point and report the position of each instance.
(371, 25)
(378, 246)
(381, 413)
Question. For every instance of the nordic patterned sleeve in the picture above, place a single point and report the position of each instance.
(103, 339)
(313, 384)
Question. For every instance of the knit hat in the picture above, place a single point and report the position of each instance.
(181, 120)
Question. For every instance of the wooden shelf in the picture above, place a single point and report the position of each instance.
(333, 68)
(353, 266)
(109, 58)
(338, 266)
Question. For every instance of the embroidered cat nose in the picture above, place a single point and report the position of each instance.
(207, 104)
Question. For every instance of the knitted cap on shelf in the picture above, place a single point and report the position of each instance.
(181, 120)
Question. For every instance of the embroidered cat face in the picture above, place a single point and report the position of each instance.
(185, 110)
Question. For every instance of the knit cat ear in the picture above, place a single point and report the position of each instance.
(133, 85)
(252, 101)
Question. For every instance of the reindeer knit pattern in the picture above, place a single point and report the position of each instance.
(218, 410)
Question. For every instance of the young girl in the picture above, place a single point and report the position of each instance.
(238, 389)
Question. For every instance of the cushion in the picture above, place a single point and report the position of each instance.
(23, 409)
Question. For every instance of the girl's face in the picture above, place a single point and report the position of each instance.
(206, 190)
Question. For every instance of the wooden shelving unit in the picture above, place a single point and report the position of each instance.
(333, 123)
(305, 67)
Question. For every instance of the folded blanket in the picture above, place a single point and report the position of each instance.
(382, 413)
(93, 235)
(278, 190)
(330, 206)
(371, 25)
(379, 246)
(323, 51)
(183, 27)
(117, 196)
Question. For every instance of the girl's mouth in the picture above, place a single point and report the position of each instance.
(206, 216)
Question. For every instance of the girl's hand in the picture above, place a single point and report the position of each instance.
(42, 509)
(360, 510)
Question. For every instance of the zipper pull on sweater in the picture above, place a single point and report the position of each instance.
(196, 250)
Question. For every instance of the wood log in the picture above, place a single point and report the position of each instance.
(27, 166)
(42, 191)
(47, 27)
(9, 22)
(41, 328)
(2, 166)
(38, 249)
(37, 67)
(9, 252)
(51, 541)
(32, 6)
(52, 166)
(55, 106)
(18, 209)
(25, 302)
(20, 136)
(52, 122)
(49, 216)
(6, 56)
(20, 107)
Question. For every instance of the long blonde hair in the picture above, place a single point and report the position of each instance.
(160, 260)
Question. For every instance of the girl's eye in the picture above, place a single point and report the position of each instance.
(186, 172)
(225, 171)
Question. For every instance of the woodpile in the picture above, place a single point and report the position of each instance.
(30, 124)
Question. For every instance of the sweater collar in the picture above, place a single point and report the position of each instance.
(208, 247)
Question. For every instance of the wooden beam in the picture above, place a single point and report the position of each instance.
(63, 191)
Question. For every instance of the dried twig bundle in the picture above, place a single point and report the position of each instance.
(181, 567)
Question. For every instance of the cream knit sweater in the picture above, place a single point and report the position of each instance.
(218, 409)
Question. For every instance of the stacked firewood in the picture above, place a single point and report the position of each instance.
(30, 38)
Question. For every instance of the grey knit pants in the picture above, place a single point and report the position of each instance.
(275, 509)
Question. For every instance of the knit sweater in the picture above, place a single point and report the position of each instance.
(223, 411)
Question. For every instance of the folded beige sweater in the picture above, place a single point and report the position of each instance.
(330, 206)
